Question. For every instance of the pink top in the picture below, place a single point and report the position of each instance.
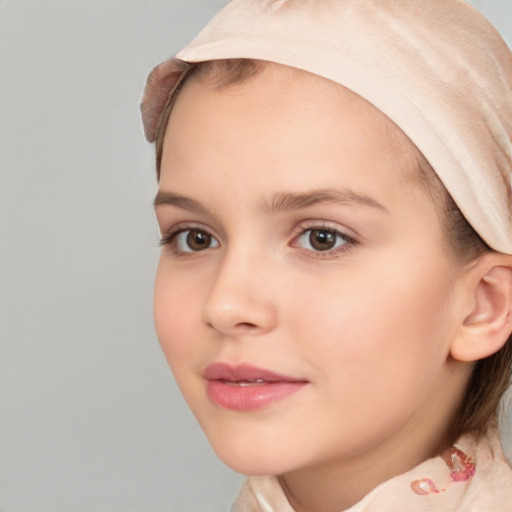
(478, 480)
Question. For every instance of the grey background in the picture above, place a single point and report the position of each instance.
(90, 418)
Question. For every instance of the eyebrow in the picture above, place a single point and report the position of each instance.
(185, 203)
(280, 202)
(294, 201)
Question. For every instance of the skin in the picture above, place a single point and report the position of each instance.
(368, 324)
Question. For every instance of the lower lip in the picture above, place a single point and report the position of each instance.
(250, 397)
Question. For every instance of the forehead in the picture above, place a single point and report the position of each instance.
(272, 77)
(284, 104)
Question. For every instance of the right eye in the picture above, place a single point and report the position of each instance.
(191, 240)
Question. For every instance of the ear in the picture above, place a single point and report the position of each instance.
(487, 320)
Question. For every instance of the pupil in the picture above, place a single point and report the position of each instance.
(197, 240)
(322, 239)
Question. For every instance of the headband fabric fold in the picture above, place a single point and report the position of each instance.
(436, 68)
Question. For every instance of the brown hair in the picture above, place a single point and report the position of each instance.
(490, 377)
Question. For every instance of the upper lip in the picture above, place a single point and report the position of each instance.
(244, 372)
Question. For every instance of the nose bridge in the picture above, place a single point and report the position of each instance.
(237, 301)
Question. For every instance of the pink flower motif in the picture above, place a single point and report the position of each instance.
(462, 466)
(462, 469)
(424, 486)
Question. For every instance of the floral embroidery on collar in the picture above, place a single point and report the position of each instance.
(462, 469)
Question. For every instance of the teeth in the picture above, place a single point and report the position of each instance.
(243, 383)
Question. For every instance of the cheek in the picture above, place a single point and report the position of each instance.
(372, 332)
(175, 314)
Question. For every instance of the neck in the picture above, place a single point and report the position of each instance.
(338, 484)
(332, 487)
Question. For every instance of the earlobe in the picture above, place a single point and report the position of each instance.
(488, 322)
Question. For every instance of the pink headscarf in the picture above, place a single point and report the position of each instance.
(436, 68)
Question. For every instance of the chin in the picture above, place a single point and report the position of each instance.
(256, 444)
(250, 467)
(252, 458)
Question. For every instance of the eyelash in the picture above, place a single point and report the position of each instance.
(171, 239)
(348, 241)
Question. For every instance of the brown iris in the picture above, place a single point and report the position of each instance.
(322, 239)
(198, 240)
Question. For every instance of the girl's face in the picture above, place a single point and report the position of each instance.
(305, 297)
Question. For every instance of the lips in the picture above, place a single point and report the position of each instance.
(247, 388)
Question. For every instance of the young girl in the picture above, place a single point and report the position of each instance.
(334, 294)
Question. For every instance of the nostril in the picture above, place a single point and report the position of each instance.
(235, 314)
(240, 325)
(245, 326)
(239, 328)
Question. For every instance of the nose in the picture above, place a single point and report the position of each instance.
(239, 301)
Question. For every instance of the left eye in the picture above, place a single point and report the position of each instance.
(324, 239)
(193, 240)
